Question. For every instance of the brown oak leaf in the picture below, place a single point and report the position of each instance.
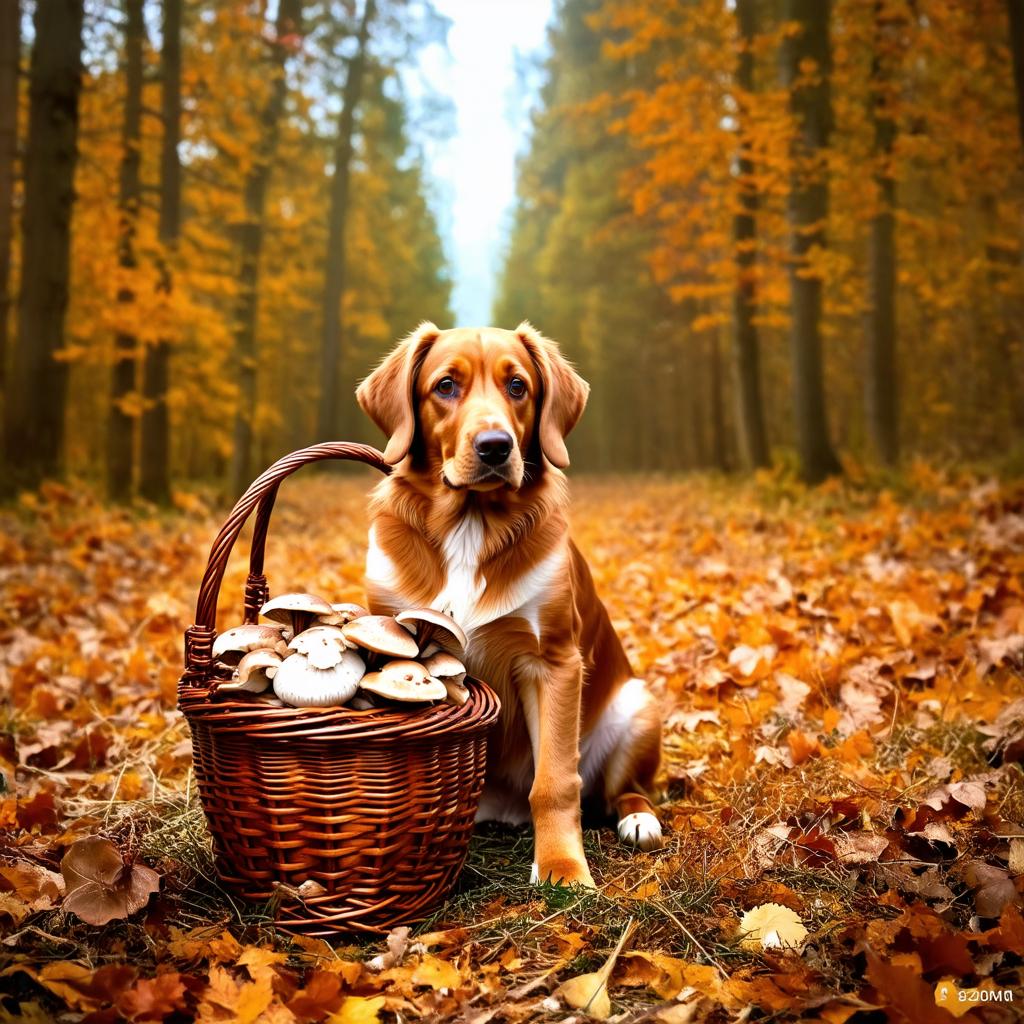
(100, 886)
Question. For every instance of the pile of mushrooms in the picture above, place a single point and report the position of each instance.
(316, 654)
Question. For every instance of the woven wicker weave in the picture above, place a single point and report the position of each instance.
(375, 806)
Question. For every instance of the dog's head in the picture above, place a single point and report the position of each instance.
(475, 404)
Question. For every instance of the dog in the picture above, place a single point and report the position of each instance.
(473, 521)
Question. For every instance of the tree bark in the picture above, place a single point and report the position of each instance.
(746, 344)
(807, 211)
(120, 424)
(34, 410)
(251, 243)
(332, 340)
(10, 54)
(1015, 8)
(154, 471)
(881, 383)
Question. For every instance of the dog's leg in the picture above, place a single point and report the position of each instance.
(550, 694)
(632, 764)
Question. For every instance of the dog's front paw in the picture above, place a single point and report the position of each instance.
(562, 872)
(641, 829)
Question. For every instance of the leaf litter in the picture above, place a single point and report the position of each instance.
(842, 676)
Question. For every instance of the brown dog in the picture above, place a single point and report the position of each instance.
(474, 521)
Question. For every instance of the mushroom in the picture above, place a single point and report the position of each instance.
(233, 643)
(452, 674)
(361, 703)
(341, 614)
(253, 673)
(431, 626)
(382, 635)
(405, 681)
(322, 645)
(301, 685)
(297, 611)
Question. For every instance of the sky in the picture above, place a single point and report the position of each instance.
(474, 169)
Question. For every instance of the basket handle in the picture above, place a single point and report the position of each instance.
(262, 492)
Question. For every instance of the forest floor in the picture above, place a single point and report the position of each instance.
(841, 671)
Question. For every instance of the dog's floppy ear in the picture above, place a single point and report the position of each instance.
(386, 396)
(563, 394)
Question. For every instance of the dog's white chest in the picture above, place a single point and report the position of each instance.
(464, 586)
(462, 595)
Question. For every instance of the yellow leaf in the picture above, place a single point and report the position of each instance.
(771, 926)
(358, 1010)
(436, 973)
(588, 992)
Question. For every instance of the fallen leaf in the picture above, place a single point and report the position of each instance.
(589, 992)
(993, 888)
(771, 926)
(358, 1010)
(100, 886)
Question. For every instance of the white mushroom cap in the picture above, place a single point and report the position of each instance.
(340, 614)
(323, 645)
(301, 685)
(381, 634)
(444, 666)
(405, 681)
(253, 673)
(295, 610)
(245, 638)
(432, 626)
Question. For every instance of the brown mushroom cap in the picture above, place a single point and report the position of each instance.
(404, 681)
(241, 639)
(456, 689)
(432, 626)
(323, 645)
(381, 634)
(295, 610)
(343, 613)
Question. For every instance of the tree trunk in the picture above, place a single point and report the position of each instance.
(34, 410)
(807, 211)
(746, 344)
(1016, 12)
(335, 263)
(120, 424)
(719, 453)
(881, 386)
(10, 46)
(251, 243)
(154, 471)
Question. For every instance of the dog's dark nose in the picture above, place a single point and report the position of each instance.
(493, 446)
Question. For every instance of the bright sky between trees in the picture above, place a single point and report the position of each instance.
(475, 168)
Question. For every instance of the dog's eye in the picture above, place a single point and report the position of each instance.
(517, 387)
(446, 388)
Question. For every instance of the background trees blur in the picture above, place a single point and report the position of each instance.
(759, 226)
(834, 196)
(196, 229)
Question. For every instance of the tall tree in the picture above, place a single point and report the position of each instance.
(806, 70)
(34, 409)
(289, 15)
(1015, 9)
(154, 472)
(746, 345)
(120, 422)
(880, 378)
(335, 262)
(10, 47)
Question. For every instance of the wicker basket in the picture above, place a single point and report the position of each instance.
(375, 806)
